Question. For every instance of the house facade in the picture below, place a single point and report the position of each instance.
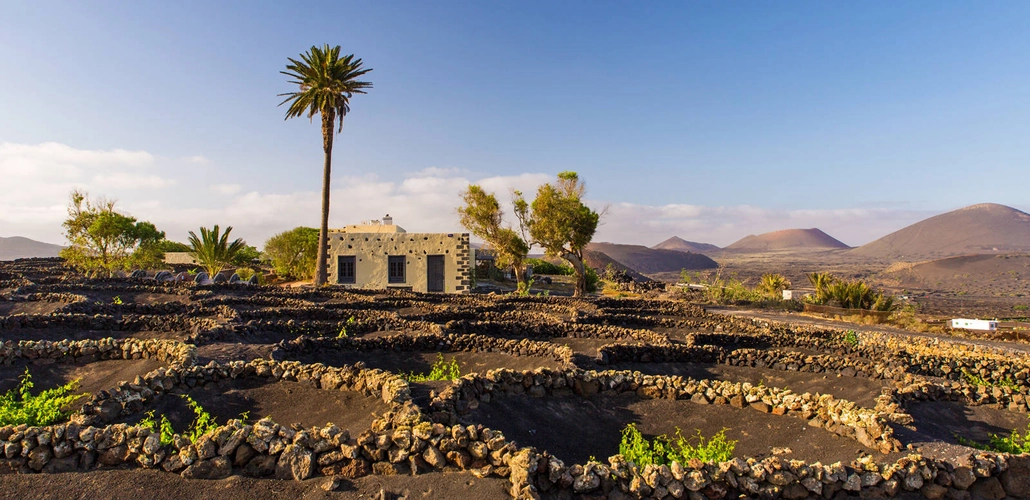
(382, 255)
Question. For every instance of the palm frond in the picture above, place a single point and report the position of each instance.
(326, 82)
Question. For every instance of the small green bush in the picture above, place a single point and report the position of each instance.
(541, 266)
(1015, 443)
(635, 448)
(203, 422)
(441, 370)
(18, 406)
(167, 431)
(851, 338)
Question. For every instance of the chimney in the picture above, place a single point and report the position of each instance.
(387, 220)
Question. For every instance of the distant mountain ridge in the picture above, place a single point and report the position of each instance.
(682, 245)
(599, 261)
(787, 239)
(18, 247)
(986, 228)
(649, 260)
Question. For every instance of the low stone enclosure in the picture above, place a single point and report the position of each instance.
(579, 351)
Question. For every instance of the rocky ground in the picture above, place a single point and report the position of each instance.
(548, 384)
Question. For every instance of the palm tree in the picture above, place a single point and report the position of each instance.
(214, 252)
(773, 285)
(821, 282)
(327, 82)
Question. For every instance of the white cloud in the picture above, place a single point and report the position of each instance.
(36, 180)
(198, 159)
(130, 180)
(226, 189)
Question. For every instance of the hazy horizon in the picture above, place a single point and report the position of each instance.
(705, 121)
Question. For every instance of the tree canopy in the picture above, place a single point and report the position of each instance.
(482, 216)
(103, 240)
(293, 252)
(560, 222)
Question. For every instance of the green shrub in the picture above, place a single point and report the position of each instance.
(245, 273)
(851, 338)
(19, 406)
(541, 266)
(1015, 443)
(635, 448)
(203, 421)
(167, 431)
(441, 370)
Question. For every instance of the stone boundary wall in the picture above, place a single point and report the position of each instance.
(555, 329)
(986, 476)
(332, 328)
(114, 285)
(316, 314)
(126, 323)
(842, 417)
(429, 342)
(68, 298)
(755, 358)
(662, 307)
(175, 354)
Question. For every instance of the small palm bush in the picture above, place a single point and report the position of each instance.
(214, 252)
(773, 285)
(19, 406)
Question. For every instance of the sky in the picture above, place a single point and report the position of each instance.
(705, 120)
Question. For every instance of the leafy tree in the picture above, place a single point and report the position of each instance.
(215, 252)
(293, 252)
(558, 221)
(104, 241)
(327, 81)
(482, 215)
(172, 246)
(247, 255)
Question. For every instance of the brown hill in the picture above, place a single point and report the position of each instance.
(980, 275)
(18, 247)
(648, 260)
(787, 239)
(682, 245)
(600, 261)
(987, 228)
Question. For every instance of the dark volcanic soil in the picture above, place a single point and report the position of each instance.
(574, 428)
(144, 484)
(32, 307)
(93, 377)
(939, 425)
(285, 402)
(860, 390)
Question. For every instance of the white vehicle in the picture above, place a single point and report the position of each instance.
(974, 324)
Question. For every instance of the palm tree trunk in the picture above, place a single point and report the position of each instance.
(321, 271)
